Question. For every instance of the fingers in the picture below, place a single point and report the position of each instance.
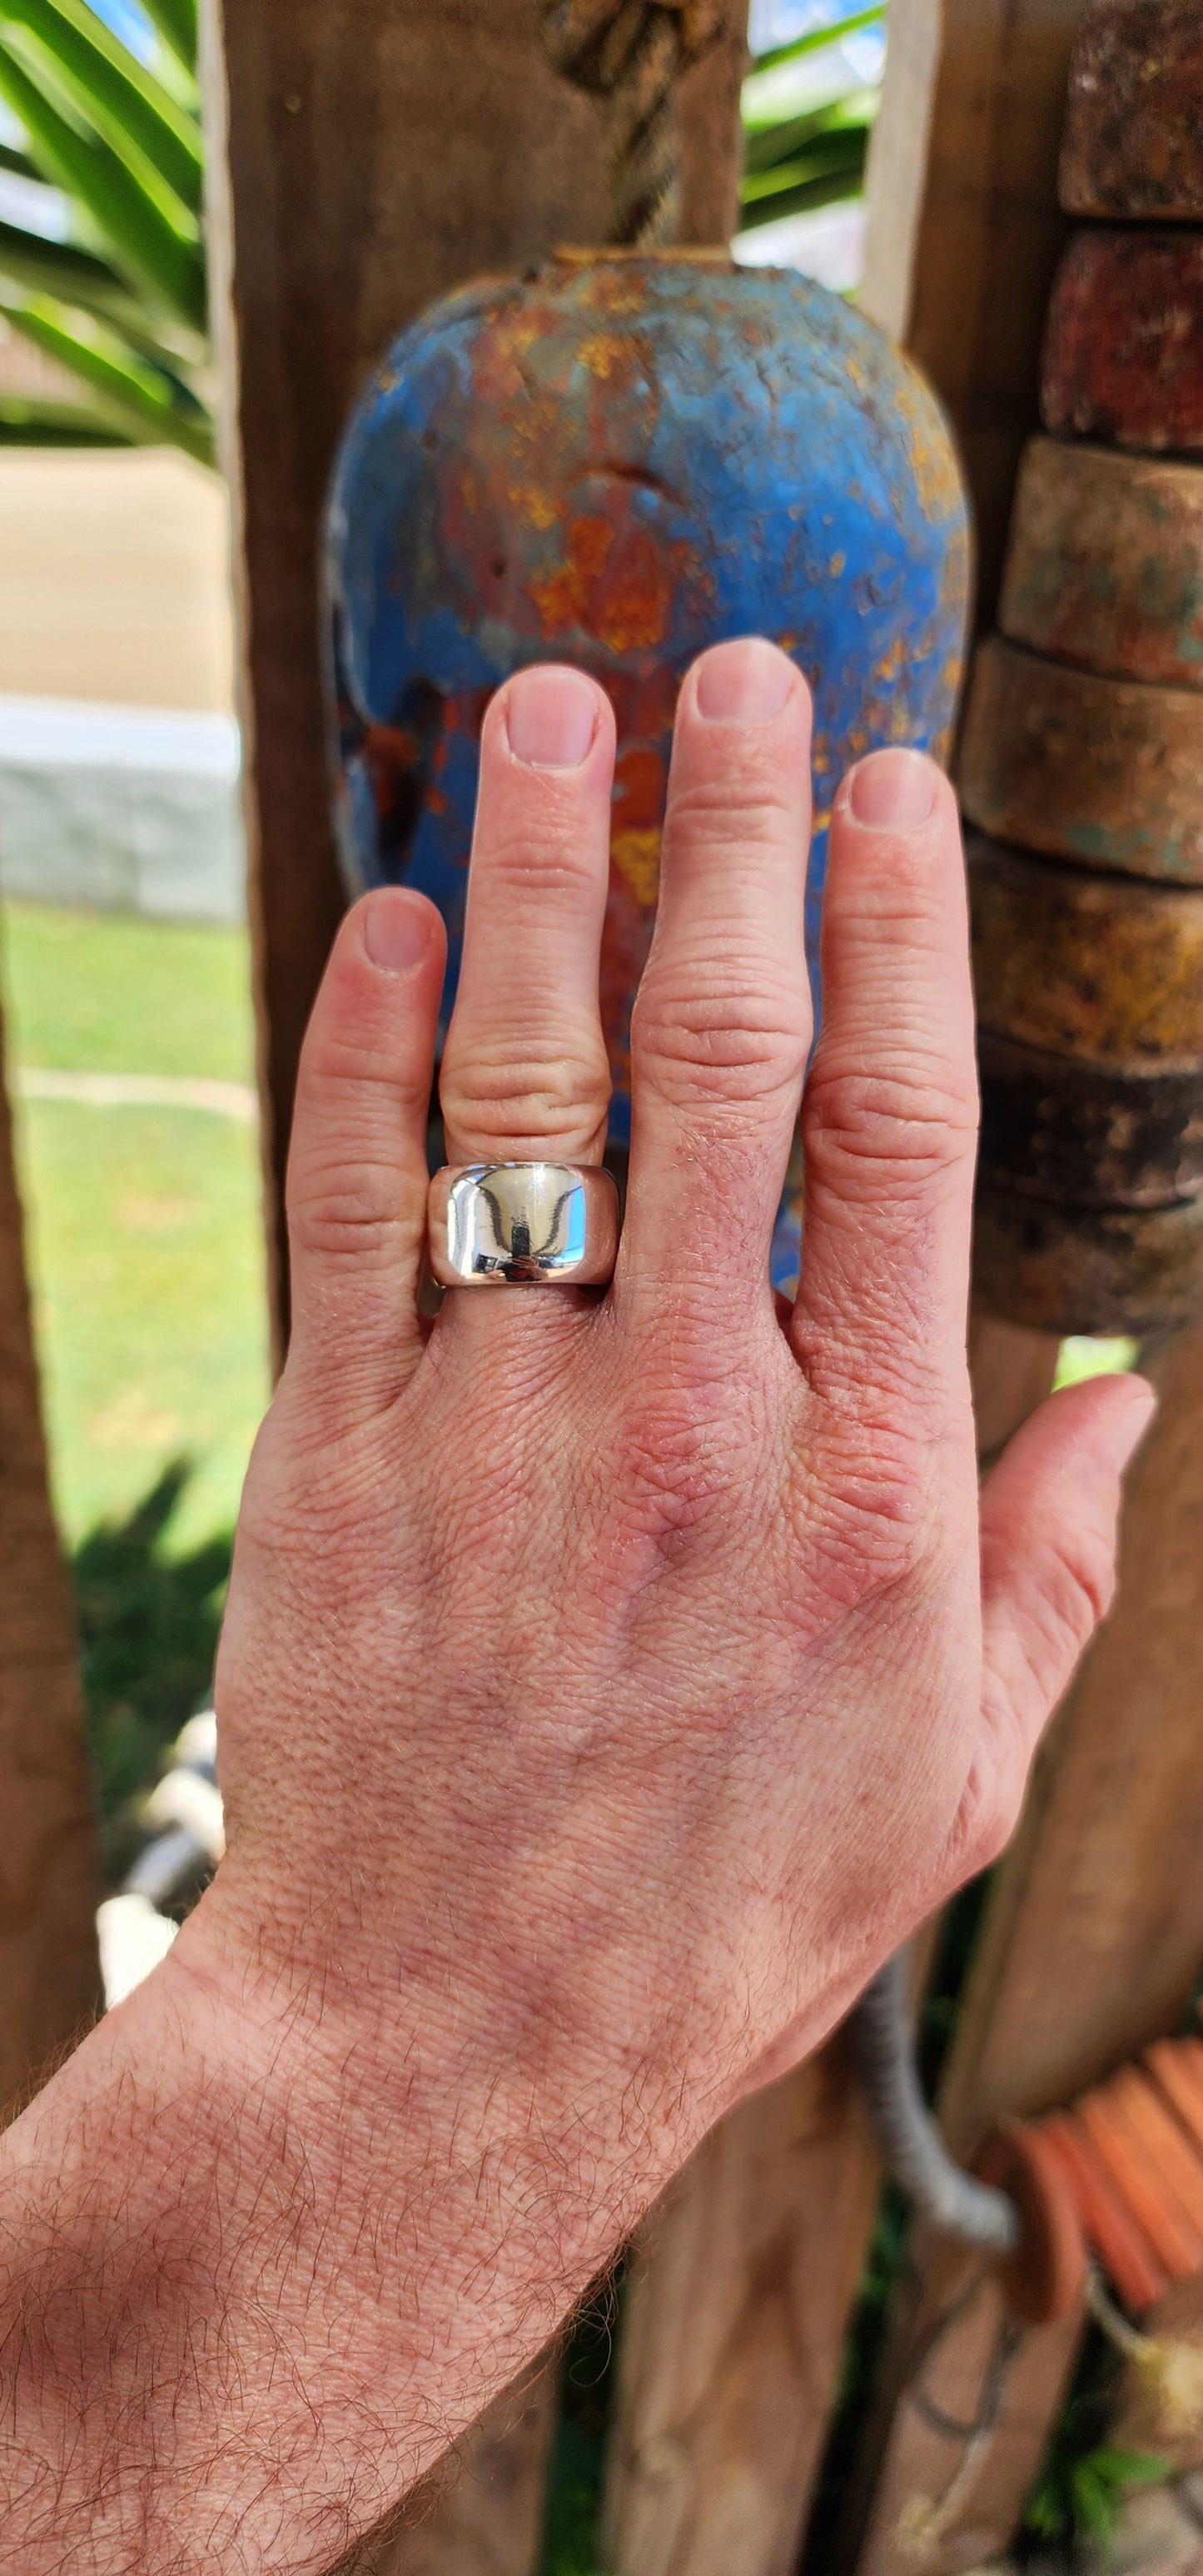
(525, 1075)
(357, 1168)
(1048, 1520)
(890, 1115)
(722, 1023)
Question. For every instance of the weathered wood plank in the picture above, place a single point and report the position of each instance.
(1090, 1949)
(964, 228)
(49, 1968)
(733, 2330)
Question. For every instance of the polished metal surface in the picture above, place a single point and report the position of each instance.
(523, 1225)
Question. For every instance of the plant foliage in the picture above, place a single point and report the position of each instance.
(149, 1621)
(1084, 2478)
(121, 302)
(807, 121)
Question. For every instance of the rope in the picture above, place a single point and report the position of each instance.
(910, 2141)
(630, 53)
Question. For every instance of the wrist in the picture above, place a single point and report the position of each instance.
(287, 2277)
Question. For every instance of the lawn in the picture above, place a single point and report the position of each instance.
(144, 1234)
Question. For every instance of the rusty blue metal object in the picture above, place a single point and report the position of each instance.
(615, 462)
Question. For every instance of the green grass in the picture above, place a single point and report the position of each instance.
(108, 993)
(144, 1231)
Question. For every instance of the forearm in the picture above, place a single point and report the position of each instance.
(242, 2315)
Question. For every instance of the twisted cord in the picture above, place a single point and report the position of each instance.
(630, 53)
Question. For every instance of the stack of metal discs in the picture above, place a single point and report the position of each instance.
(1082, 762)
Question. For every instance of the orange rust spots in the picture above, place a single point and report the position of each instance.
(562, 599)
(632, 606)
(609, 357)
(615, 585)
(929, 453)
(636, 857)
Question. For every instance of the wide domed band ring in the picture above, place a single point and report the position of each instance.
(523, 1225)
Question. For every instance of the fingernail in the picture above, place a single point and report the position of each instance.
(396, 929)
(746, 682)
(551, 714)
(895, 791)
(1130, 1426)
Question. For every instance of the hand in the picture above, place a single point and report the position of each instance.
(609, 1683)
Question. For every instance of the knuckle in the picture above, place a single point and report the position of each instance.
(918, 1118)
(535, 1098)
(744, 806)
(673, 1458)
(351, 1211)
(538, 869)
(341, 1073)
(711, 1031)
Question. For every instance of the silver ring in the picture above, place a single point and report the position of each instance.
(523, 1225)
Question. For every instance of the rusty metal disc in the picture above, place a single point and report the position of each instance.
(1176, 2241)
(1087, 1270)
(1133, 141)
(1090, 1135)
(1123, 2250)
(1123, 342)
(1105, 562)
(1046, 2276)
(1106, 968)
(1137, 2108)
(1102, 772)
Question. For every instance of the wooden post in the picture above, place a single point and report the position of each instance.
(1091, 1948)
(49, 1882)
(734, 2326)
(964, 228)
(733, 2331)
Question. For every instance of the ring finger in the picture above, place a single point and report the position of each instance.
(525, 1076)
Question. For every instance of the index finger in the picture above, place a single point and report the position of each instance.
(890, 1113)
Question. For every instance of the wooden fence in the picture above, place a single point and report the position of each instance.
(369, 154)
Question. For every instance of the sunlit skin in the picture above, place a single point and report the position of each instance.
(610, 1681)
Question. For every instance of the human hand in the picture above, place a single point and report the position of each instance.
(609, 1683)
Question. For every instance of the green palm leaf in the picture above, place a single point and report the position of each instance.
(27, 422)
(176, 22)
(145, 402)
(162, 258)
(138, 118)
(76, 276)
(818, 38)
(798, 158)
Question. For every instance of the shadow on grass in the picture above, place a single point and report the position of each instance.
(149, 1621)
